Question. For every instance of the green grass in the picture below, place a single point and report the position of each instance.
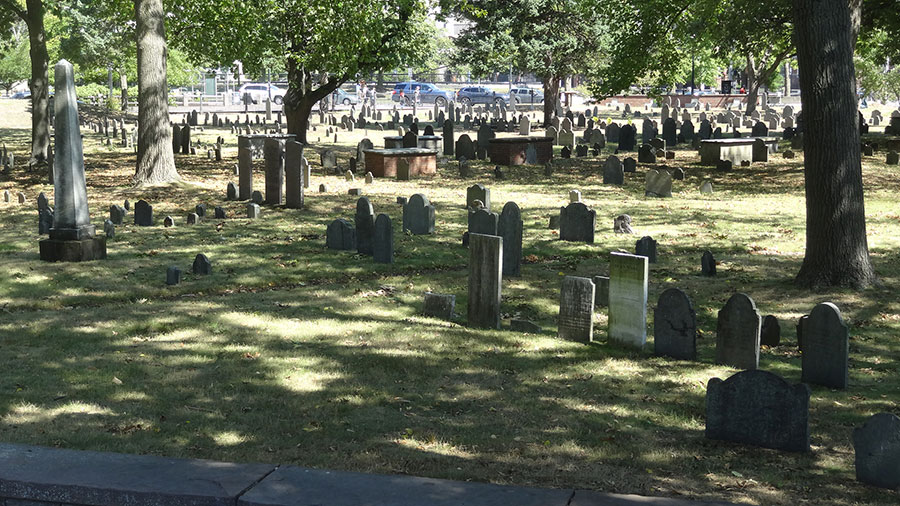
(290, 353)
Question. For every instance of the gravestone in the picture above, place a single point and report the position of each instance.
(627, 138)
(109, 229)
(646, 154)
(116, 214)
(173, 275)
(485, 134)
(252, 210)
(273, 152)
(675, 326)
(622, 224)
(231, 192)
(707, 264)
(577, 223)
(361, 148)
(383, 240)
(760, 409)
(737, 333)
(448, 138)
(364, 221)
(630, 165)
(628, 276)
(478, 192)
(219, 213)
(510, 228)
(574, 196)
(410, 140)
(418, 215)
(646, 247)
(245, 167)
(256, 197)
(658, 184)
(760, 151)
(482, 221)
(826, 351)
(669, 132)
(601, 291)
(770, 335)
(576, 309)
(193, 218)
(613, 171)
(893, 158)
(328, 159)
(201, 265)
(168, 222)
(465, 148)
(293, 175)
(485, 275)
(340, 235)
(706, 187)
(439, 305)
(877, 447)
(143, 214)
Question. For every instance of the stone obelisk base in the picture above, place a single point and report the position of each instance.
(84, 250)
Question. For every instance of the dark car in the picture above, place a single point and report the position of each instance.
(21, 94)
(526, 95)
(480, 95)
(428, 94)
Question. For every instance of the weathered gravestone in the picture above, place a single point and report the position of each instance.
(273, 152)
(574, 195)
(448, 138)
(465, 148)
(439, 305)
(826, 351)
(628, 276)
(293, 175)
(482, 221)
(877, 446)
(245, 167)
(364, 221)
(116, 214)
(670, 132)
(173, 275)
(627, 138)
(675, 326)
(770, 335)
(252, 210)
(737, 333)
(613, 171)
(646, 154)
(201, 265)
(361, 148)
(193, 218)
(143, 214)
(231, 192)
(576, 309)
(601, 291)
(109, 229)
(383, 240)
(509, 227)
(707, 264)
(658, 184)
(478, 192)
(340, 235)
(418, 215)
(646, 247)
(577, 223)
(328, 159)
(45, 215)
(485, 275)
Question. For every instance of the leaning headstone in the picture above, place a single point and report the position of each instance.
(418, 215)
(340, 235)
(364, 221)
(707, 264)
(143, 214)
(675, 326)
(439, 305)
(510, 228)
(737, 333)
(613, 171)
(760, 409)
(485, 275)
(383, 240)
(576, 309)
(478, 192)
(646, 247)
(577, 223)
(770, 335)
(877, 447)
(173, 275)
(116, 214)
(628, 276)
(826, 342)
(201, 265)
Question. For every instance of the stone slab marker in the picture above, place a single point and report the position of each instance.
(628, 299)
(576, 309)
(72, 237)
(273, 151)
(758, 408)
(577, 223)
(675, 326)
(478, 192)
(294, 181)
(826, 347)
(364, 221)
(509, 227)
(485, 275)
(383, 243)
(877, 445)
(737, 333)
(245, 168)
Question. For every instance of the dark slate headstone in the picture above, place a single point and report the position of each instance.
(485, 276)
(826, 351)
(675, 326)
(576, 309)
(143, 214)
(758, 408)
(465, 148)
(613, 171)
(410, 140)
(219, 213)
(630, 165)
(646, 154)
(340, 235)
(448, 138)
(510, 229)
(383, 240)
(478, 192)
(418, 215)
(646, 247)
(173, 275)
(707, 264)
(627, 138)
(193, 219)
(760, 152)
(168, 222)
(669, 132)
(200, 210)
(439, 305)
(273, 152)
(601, 291)
(231, 192)
(770, 335)
(877, 446)
(565, 152)
(577, 223)
(116, 214)
(364, 220)
(482, 221)
(201, 265)
(737, 333)
(45, 220)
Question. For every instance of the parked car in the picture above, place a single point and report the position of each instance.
(259, 92)
(428, 93)
(21, 94)
(344, 97)
(480, 95)
(525, 95)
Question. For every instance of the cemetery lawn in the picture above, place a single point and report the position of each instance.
(290, 353)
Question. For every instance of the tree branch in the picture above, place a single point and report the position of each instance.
(14, 8)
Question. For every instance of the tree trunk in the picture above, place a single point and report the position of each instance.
(123, 86)
(551, 96)
(752, 85)
(301, 97)
(40, 102)
(836, 248)
(155, 160)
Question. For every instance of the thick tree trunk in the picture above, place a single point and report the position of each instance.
(301, 97)
(123, 86)
(836, 248)
(155, 160)
(752, 85)
(551, 95)
(40, 102)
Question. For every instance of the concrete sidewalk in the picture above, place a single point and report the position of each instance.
(39, 476)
